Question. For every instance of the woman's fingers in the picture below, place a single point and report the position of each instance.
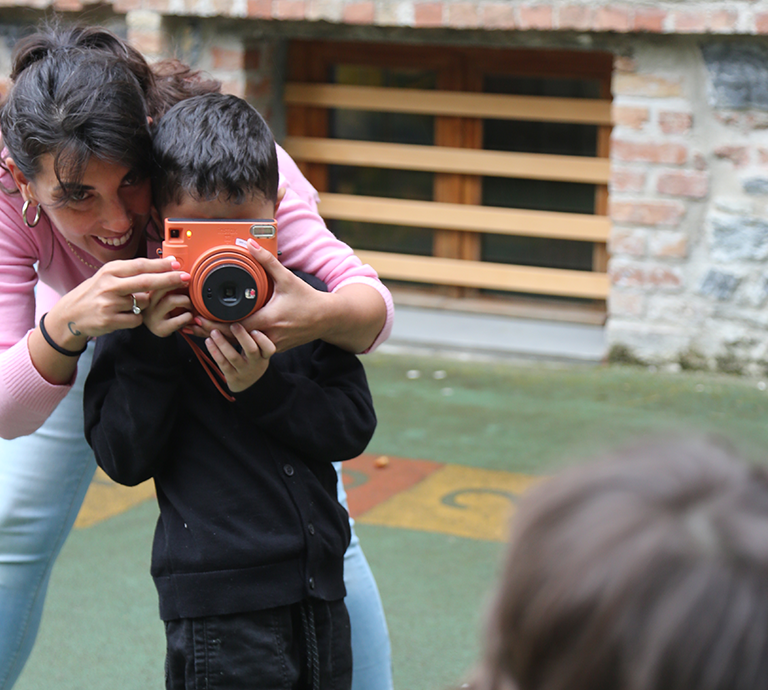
(149, 282)
(143, 299)
(144, 275)
(268, 262)
(125, 268)
(170, 299)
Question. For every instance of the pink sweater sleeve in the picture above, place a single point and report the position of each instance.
(306, 244)
(26, 398)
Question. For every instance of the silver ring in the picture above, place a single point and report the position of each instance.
(136, 309)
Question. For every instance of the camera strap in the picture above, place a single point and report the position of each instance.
(211, 368)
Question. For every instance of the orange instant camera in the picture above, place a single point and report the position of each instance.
(227, 283)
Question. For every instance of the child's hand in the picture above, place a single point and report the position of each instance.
(294, 314)
(241, 370)
(167, 312)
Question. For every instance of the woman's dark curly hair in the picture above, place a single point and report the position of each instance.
(80, 91)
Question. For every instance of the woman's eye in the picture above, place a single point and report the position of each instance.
(78, 196)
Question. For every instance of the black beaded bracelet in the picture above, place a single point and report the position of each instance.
(58, 348)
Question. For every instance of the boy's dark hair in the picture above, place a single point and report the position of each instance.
(647, 572)
(83, 91)
(211, 146)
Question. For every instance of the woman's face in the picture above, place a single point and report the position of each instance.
(104, 214)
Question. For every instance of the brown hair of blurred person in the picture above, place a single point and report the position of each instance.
(646, 571)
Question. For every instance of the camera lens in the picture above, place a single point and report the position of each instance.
(229, 292)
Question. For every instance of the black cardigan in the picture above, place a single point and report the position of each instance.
(248, 513)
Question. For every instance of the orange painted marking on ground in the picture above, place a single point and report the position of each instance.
(470, 502)
(369, 480)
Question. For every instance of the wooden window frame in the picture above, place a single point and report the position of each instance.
(459, 162)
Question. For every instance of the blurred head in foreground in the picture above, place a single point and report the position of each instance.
(648, 571)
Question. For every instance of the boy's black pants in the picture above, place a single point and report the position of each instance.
(304, 646)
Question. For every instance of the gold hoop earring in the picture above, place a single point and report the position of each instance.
(24, 210)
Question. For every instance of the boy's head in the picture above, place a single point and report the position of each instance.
(647, 572)
(214, 157)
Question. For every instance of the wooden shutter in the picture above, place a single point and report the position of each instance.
(455, 214)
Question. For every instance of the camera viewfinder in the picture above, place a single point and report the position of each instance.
(262, 230)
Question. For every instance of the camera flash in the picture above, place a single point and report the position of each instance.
(189, 233)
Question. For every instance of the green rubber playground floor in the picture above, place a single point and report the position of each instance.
(457, 442)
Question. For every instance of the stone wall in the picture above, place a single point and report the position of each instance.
(688, 202)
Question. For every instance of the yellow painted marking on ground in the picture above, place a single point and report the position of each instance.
(105, 499)
(463, 501)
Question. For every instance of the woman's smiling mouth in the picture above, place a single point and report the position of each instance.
(115, 242)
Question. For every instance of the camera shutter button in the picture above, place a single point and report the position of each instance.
(288, 469)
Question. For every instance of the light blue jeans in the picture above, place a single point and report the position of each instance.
(43, 481)
(371, 654)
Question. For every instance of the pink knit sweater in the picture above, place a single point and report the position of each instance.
(41, 253)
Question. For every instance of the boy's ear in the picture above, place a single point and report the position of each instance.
(280, 196)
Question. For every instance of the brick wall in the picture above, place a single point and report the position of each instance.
(672, 17)
(246, 64)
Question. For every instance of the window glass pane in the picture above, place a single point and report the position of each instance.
(398, 78)
(383, 238)
(540, 137)
(551, 87)
(402, 184)
(393, 184)
(543, 195)
(539, 195)
(400, 128)
(537, 251)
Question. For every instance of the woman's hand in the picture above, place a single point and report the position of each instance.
(294, 314)
(241, 369)
(104, 302)
(101, 304)
(349, 318)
